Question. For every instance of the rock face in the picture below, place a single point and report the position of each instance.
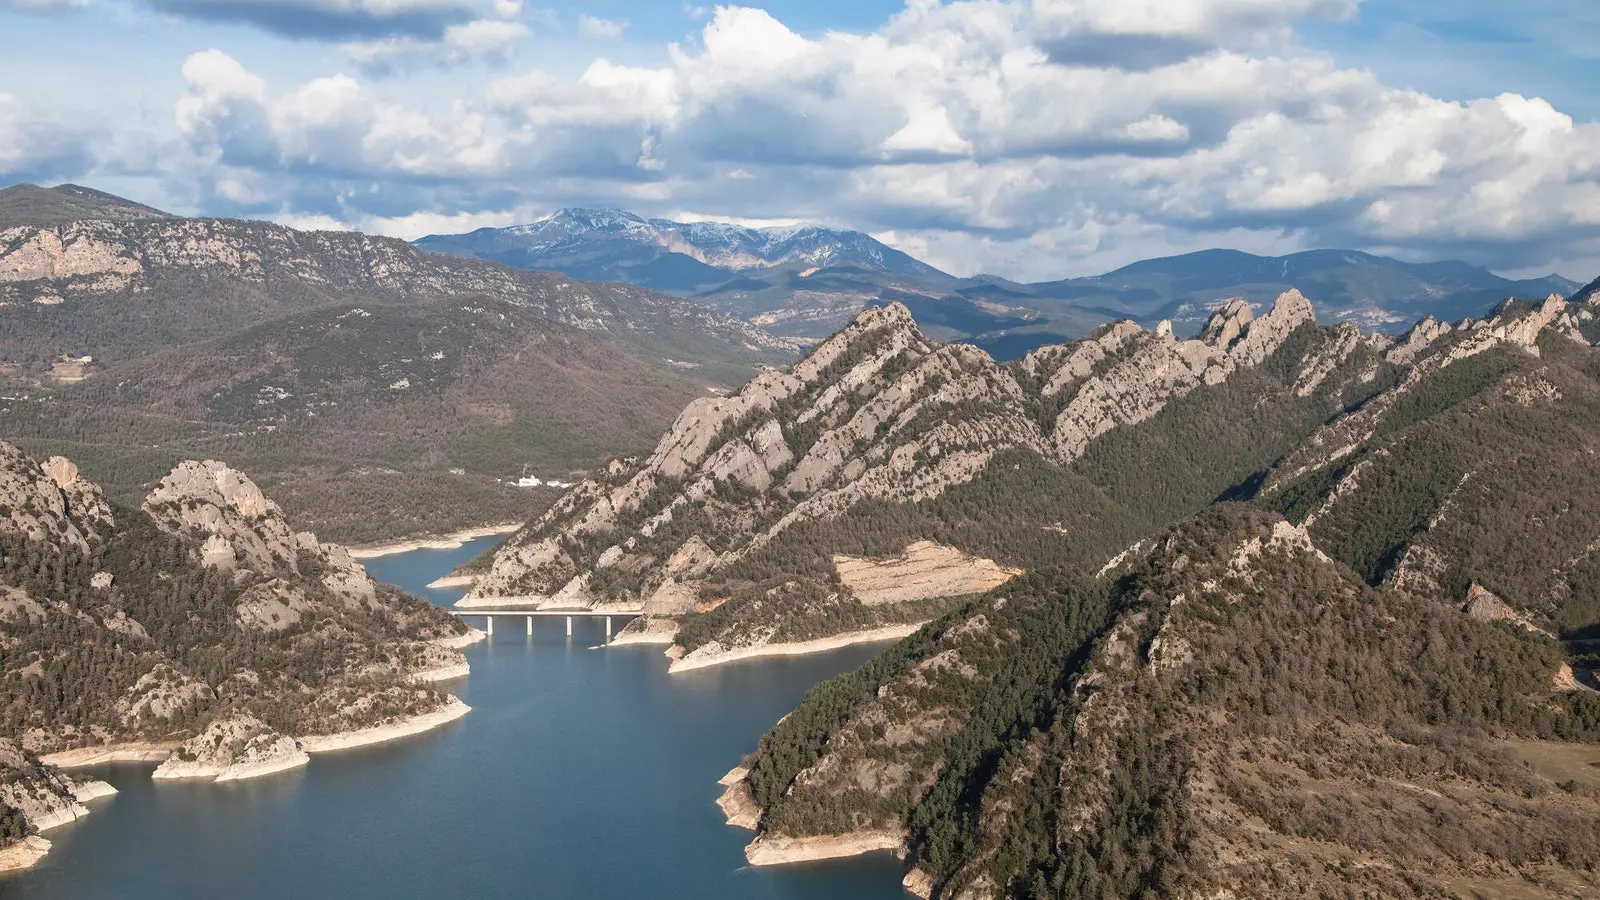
(242, 528)
(231, 749)
(926, 570)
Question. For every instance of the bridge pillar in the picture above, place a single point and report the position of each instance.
(530, 626)
(608, 629)
(488, 625)
(569, 626)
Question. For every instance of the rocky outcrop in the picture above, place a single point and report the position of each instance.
(44, 500)
(925, 570)
(233, 749)
(1487, 606)
(1427, 350)
(1147, 371)
(242, 528)
(204, 606)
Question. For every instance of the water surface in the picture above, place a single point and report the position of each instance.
(579, 773)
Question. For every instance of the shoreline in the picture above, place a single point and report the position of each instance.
(442, 673)
(380, 734)
(177, 770)
(431, 542)
(781, 850)
(84, 757)
(24, 854)
(797, 648)
(450, 581)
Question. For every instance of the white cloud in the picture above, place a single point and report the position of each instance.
(482, 40)
(595, 27)
(977, 130)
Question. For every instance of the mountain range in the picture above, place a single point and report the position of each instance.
(378, 389)
(808, 281)
(1283, 609)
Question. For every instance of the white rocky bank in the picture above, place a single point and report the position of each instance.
(233, 749)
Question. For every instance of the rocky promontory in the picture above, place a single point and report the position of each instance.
(233, 749)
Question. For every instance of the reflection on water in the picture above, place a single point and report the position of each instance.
(579, 773)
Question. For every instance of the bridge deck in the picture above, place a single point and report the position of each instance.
(470, 611)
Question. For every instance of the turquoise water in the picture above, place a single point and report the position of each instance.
(579, 773)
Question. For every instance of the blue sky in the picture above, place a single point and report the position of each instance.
(1031, 138)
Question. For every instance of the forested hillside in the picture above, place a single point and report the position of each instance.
(1232, 714)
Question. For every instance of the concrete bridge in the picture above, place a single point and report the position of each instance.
(490, 612)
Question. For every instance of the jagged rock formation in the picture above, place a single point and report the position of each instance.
(44, 501)
(879, 416)
(201, 614)
(1228, 714)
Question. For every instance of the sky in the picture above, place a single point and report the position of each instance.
(1034, 139)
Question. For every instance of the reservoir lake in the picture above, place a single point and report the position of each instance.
(579, 773)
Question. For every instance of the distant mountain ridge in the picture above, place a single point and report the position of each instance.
(29, 204)
(616, 245)
(809, 281)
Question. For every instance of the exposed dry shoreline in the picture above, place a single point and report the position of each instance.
(177, 770)
(322, 743)
(432, 542)
(798, 648)
(778, 850)
(378, 734)
(739, 807)
(24, 853)
(451, 581)
(83, 757)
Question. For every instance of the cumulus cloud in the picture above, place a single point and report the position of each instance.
(981, 132)
(338, 19)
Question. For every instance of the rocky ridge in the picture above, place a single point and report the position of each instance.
(877, 414)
